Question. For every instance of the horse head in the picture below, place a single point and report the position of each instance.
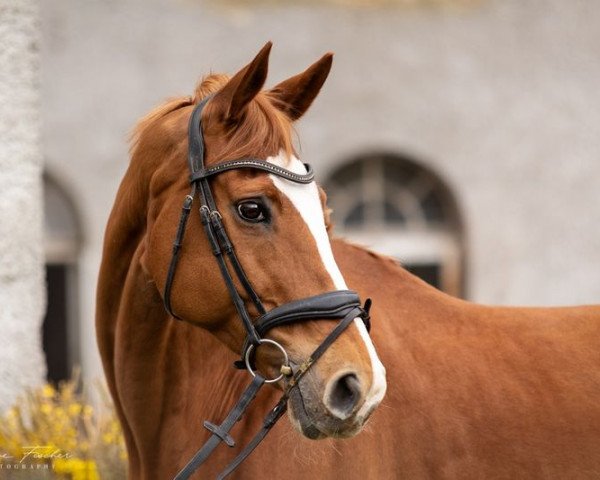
(280, 233)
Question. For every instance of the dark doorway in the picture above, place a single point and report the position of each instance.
(55, 329)
(60, 331)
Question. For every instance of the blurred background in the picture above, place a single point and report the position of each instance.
(460, 136)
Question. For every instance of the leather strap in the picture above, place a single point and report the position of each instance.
(255, 164)
(210, 221)
(269, 422)
(177, 244)
(221, 433)
(330, 305)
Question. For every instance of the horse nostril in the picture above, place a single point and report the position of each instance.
(343, 395)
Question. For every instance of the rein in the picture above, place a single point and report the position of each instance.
(342, 305)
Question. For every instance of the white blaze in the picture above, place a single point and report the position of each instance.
(305, 197)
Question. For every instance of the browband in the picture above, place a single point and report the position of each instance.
(255, 164)
(199, 172)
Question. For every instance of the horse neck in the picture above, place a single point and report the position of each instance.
(152, 362)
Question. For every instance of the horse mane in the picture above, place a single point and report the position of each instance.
(148, 120)
(263, 128)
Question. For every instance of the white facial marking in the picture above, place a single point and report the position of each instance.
(305, 197)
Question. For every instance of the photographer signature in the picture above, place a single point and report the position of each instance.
(36, 452)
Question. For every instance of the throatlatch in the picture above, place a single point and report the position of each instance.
(342, 306)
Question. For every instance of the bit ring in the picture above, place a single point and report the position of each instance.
(286, 360)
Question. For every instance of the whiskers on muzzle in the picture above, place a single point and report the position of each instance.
(331, 411)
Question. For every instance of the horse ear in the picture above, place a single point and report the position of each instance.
(243, 86)
(297, 93)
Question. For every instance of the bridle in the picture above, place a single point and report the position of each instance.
(342, 305)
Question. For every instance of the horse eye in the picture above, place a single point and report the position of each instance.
(252, 211)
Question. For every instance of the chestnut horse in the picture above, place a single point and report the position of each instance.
(472, 391)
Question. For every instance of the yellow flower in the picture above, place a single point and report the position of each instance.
(74, 409)
(60, 412)
(48, 391)
(62, 420)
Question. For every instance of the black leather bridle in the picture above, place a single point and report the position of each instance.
(342, 305)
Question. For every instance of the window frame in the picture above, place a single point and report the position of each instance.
(419, 241)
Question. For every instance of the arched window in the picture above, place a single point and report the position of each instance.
(397, 207)
(62, 240)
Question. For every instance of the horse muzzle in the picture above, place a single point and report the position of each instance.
(328, 409)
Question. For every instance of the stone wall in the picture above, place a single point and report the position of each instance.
(22, 289)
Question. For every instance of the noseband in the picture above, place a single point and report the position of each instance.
(342, 306)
